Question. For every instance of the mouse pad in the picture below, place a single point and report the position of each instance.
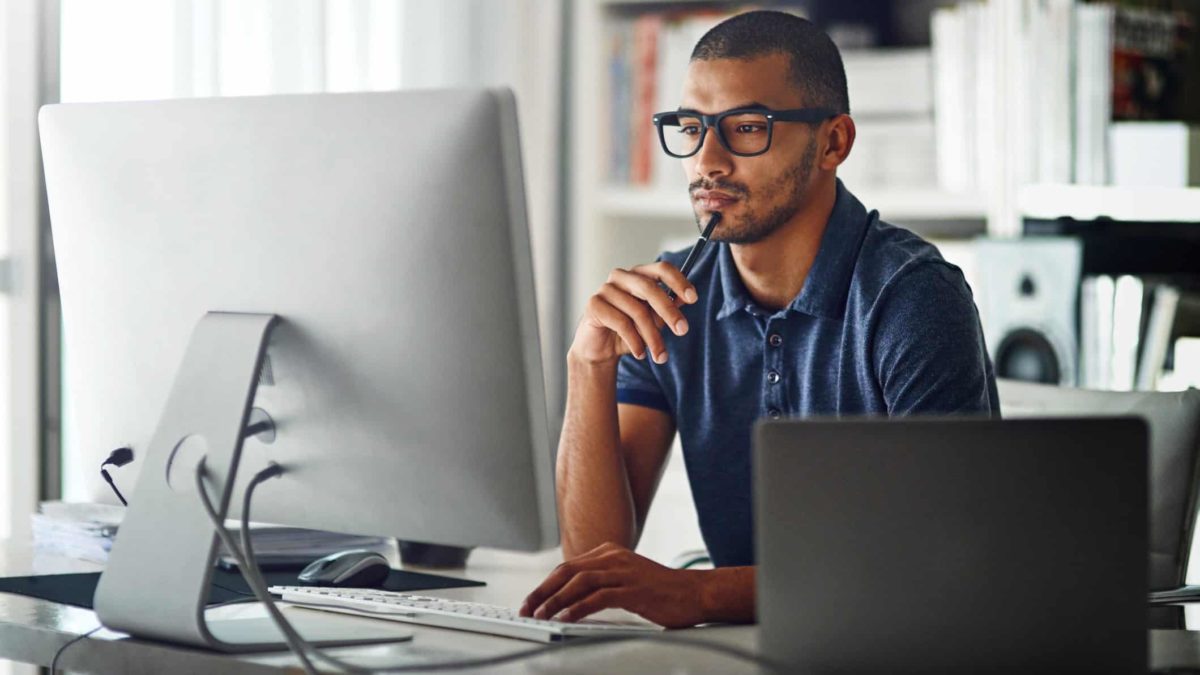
(78, 589)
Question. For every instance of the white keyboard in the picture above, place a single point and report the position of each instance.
(443, 613)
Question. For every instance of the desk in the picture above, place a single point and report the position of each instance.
(32, 630)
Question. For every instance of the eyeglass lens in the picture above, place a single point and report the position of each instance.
(744, 133)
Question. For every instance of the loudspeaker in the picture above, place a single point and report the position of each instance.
(1028, 292)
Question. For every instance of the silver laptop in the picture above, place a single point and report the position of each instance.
(926, 545)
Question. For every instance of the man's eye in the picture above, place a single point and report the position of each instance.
(750, 128)
(690, 130)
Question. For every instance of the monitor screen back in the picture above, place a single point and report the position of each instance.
(388, 232)
(953, 545)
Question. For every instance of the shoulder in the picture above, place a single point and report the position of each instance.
(896, 267)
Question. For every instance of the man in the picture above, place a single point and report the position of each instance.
(806, 304)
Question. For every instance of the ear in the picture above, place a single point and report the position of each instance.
(839, 140)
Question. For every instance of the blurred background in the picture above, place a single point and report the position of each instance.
(1051, 148)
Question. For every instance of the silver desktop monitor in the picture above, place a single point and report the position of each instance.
(354, 269)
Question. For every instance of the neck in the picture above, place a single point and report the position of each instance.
(774, 269)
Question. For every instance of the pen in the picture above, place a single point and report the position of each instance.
(690, 260)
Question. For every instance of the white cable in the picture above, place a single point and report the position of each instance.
(294, 642)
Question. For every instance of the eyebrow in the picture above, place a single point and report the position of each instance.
(751, 104)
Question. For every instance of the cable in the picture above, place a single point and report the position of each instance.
(293, 640)
(63, 649)
(248, 564)
(119, 457)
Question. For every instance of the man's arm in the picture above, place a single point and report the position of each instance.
(610, 460)
(608, 466)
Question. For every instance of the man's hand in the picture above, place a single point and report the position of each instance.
(613, 576)
(628, 312)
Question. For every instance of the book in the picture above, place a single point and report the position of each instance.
(642, 136)
(619, 96)
(1149, 63)
(1128, 296)
(951, 128)
(1093, 91)
(1096, 312)
(1157, 339)
(1051, 36)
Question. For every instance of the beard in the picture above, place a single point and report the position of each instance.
(754, 227)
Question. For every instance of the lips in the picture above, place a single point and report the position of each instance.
(711, 200)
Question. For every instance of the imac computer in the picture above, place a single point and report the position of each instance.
(349, 276)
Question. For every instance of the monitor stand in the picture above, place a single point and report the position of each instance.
(156, 582)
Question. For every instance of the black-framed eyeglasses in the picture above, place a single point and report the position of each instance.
(745, 132)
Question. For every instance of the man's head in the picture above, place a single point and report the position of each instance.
(778, 61)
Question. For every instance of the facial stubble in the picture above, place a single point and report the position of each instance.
(754, 227)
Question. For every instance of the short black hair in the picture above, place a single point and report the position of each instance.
(816, 64)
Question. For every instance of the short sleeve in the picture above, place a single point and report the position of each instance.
(636, 384)
(928, 347)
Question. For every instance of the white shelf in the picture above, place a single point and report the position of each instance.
(894, 204)
(1089, 202)
(903, 204)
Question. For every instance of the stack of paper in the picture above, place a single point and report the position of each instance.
(86, 532)
(275, 544)
(82, 531)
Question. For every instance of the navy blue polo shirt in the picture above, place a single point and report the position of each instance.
(883, 326)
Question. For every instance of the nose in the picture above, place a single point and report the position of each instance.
(712, 159)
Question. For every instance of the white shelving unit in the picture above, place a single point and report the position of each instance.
(1089, 202)
(914, 204)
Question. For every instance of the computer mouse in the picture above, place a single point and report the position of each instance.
(358, 568)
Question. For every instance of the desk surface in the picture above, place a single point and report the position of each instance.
(32, 630)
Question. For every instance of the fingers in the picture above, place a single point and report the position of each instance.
(602, 598)
(562, 574)
(579, 587)
(642, 317)
(670, 275)
(646, 288)
(620, 323)
(628, 313)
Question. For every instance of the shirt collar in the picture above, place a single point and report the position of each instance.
(828, 281)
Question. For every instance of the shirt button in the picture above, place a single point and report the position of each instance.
(774, 413)
(776, 339)
(773, 377)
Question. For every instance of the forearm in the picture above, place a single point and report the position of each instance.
(727, 594)
(595, 504)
